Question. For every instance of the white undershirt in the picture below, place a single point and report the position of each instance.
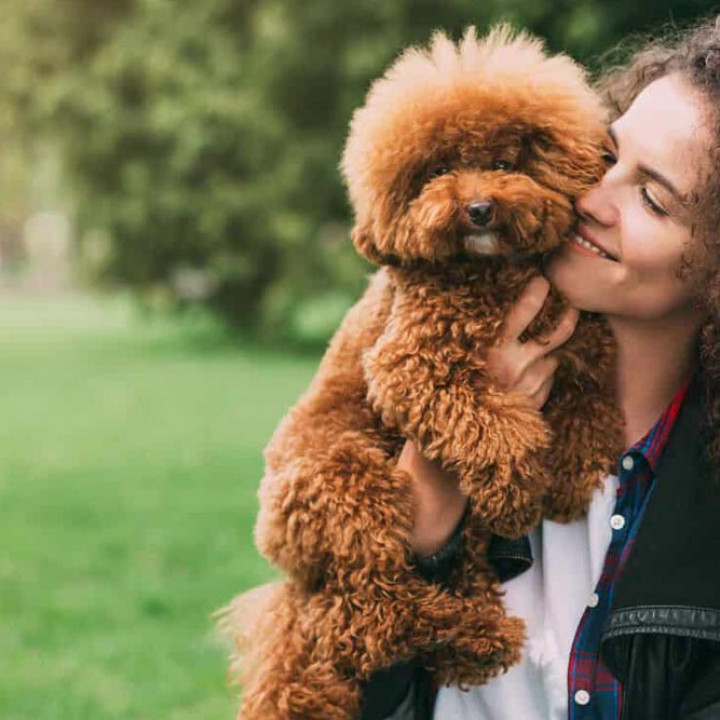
(551, 597)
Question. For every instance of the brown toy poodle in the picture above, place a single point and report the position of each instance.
(462, 169)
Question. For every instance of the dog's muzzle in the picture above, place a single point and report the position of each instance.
(482, 244)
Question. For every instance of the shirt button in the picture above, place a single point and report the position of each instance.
(628, 463)
(582, 697)
(593, 600)
(617, 522)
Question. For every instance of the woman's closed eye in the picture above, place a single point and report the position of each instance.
(646, 197)
(651, 204)
(608, 157)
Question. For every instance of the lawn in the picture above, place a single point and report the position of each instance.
(130, 453)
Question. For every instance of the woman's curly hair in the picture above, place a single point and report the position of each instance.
(693, 54)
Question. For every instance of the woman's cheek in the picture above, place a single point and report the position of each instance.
(655, 253)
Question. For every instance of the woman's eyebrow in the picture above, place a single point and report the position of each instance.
(649, 172)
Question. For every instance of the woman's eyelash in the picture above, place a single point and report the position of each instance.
(651, 204)
(609, 159)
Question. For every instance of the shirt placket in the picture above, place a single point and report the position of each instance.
(593, 691)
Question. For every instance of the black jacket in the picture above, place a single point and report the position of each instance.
(662, 638)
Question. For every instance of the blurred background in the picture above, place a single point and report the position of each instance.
(174, 254)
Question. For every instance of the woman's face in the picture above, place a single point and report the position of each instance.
(634, 226)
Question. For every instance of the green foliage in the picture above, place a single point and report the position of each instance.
(202, 138)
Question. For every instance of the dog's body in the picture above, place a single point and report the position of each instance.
(462, 170)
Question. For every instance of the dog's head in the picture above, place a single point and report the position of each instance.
(474, 149)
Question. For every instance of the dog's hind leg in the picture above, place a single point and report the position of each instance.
(330, 488)
(484, 640)
(296, 670)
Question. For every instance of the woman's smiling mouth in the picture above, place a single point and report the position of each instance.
(580, 242)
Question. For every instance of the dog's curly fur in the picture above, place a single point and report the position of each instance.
(493, 122)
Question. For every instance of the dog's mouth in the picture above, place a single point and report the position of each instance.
(487, 244)
(484, 243)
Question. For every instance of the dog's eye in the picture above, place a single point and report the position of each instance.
(505, 165)
(438, 172)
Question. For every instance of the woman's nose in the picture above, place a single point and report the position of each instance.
(597, 204)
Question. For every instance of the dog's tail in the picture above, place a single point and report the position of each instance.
(246, 622)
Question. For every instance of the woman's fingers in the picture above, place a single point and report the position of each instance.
(532, 382)
(539, 398)
(527, 368)
(545, 344)
(524, 311)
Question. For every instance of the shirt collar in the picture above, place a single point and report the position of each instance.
(651, 446)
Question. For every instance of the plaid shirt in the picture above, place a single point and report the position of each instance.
(593, 691)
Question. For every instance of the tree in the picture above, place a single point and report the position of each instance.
(202, 138)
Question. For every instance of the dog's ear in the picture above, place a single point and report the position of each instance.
(364, 241)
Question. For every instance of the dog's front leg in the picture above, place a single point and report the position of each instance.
(428, 379)
(584, 418)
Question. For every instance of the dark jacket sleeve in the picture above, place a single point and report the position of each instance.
(667, 677)
(702, 698)
(402, 692)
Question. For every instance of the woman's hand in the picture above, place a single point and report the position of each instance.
(439, 504)
(523, 368)
(527, 368)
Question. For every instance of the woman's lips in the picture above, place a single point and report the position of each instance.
(583, 243)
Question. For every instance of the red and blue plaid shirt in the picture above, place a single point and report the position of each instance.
(594, 692)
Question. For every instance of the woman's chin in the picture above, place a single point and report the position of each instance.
(573, 276)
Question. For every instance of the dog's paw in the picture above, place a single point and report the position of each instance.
(474, 658)
(508, 501)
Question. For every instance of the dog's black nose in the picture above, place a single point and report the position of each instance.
(480, 212)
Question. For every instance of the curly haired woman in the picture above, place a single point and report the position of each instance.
(622, 607)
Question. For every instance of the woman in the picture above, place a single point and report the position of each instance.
(614, 633)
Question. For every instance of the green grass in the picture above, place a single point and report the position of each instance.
(130, 455)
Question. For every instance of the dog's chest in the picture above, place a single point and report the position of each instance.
(435, 340)
(464, 306)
